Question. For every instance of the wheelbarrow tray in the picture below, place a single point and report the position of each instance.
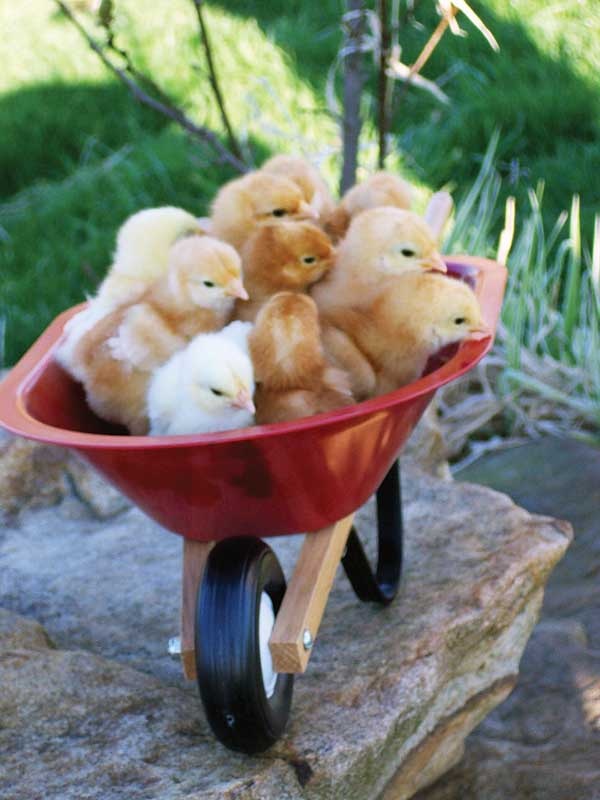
(266, 480)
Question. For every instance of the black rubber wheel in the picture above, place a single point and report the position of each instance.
(246, 708)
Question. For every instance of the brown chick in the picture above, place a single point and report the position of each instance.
(307, 178)
(279, 256)
(380, 189)
(115, 359)
(244, 203)
(293, 377)
(386, 341)
(380, 243)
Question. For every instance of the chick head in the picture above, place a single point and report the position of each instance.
(380, 189)
(216, 376)
(454, 312)
(390, 241)
(285, 344)
(268, 197)
(442, 310)
(149, 234)
(302, 173)
(205, 272)
(290, 254)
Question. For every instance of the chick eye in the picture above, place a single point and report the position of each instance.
(309, 259)
(210, 284)
(460, 320)
(279, 212)
(407, 252)
(217, 392)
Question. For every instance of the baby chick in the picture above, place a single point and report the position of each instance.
(115, 358)
(294, 379)
(244, 203)
(380, 243)
(205, 387)
(303, 174)
(143, 244)
(283, 255)
(142, 253)
(380, 189)
(386, 341)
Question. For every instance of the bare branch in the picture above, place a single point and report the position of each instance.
(214, 82)
(433, 41)
(167, 108)
(426, 52)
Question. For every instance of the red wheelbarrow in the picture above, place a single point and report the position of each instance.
(243, 634)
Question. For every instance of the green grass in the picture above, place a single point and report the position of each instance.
(77, 154)
(543, 374)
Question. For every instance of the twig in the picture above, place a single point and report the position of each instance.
(214, 81)
(168, 110)
(432, 42)
(425, 53)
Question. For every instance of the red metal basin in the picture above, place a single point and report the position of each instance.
(267, 480)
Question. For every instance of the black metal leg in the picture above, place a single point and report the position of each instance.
(382, 586)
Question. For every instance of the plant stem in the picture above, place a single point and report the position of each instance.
(214, 81)
(428, 49)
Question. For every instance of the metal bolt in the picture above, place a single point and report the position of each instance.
(174, 647)
(307, 639)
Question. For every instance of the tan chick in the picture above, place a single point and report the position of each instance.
(380, 243)
(247, 202)
(380, 189)
(307, 177)
(386, 341)
(282, 256)
(115, 358)
(293, 377)
(141, 256)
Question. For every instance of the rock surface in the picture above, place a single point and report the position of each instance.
(389, 692)
(543, 743)
(34, 475)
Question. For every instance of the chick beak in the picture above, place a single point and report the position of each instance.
(236, 289)
(243, 400)
(435, 263)
(306, 211)
(478, 332)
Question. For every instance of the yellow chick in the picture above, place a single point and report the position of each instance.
(142, 252)
(380, 189)
(380, 243)
(244, 203)
(279, 256)
(385, 341)
(294, 378)
(206, 387)
(115, 358)
(307, 178)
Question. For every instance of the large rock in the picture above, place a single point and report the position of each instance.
(34, 475)
(387, 700)
(543, 742)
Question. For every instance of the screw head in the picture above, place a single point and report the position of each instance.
(307, 639)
